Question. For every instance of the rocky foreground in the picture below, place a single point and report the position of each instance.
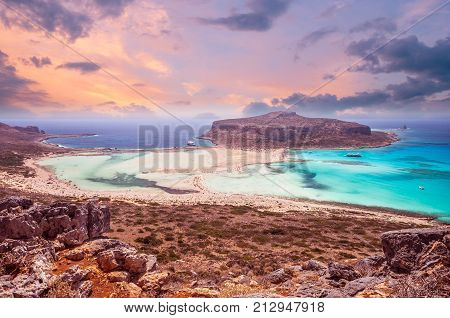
(58, 251)
(289, 130)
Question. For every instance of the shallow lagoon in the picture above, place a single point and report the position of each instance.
(387, 177)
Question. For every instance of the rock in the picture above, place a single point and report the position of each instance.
(277, 277)
(152, 282)
(126, 258)
(16, 224)
(67, 223)
(436, 252)
(33, 260)
(85, 289)
(313, 265)
(370, 265)
(73, 283)
(74, 274)
(359, 284)
(98, 219)
(31, 235)
(337, 271)
(75, 255)
(13, 202)
(94, 247)
(197, 293)
(121, 276)
(446, 241)
(263, 295)
(126, 290)
(107, 260)
(401, 248)
(139, 263)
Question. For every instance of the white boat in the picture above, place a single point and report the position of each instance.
(421, 187)
(191, 143)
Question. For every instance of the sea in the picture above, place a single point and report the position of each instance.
(411, 175)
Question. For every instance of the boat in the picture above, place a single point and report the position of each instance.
(353, 154)
(191, 143)
(421, 187)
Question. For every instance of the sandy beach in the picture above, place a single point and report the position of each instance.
(220, 159)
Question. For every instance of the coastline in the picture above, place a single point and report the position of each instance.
(47, 182)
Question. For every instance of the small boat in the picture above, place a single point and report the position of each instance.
(353, 154)
(191, 143)
(421, 187)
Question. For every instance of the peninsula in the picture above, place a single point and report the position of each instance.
(290, 130)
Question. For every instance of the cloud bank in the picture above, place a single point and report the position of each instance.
(260, 18)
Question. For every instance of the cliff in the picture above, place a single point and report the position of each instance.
(289, 130)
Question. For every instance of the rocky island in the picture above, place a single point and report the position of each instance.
(289, 130)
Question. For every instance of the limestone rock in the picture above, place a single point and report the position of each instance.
(370, 265)
(126, 258)
(359, 284)
(126, 290)
(73, 283)
(198, 293)
(402, 248)
(75, 255)
(277, 277)
(337, 271)
(121, 276)
(313, 265)
(13, 202)
(67, 223)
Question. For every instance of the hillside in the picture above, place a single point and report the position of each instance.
(289, 130)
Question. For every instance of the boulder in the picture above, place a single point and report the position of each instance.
(121, 276)
(359, 284)
(75, 255)
(197, 293)
(313, 265)
(72, 283)
(13, 202)
(125, 258)
(434, 253)
(338, 271)
(152, 282)
(370, 265)
(25, 267)
(16, 224)
(402, 248)
(126, 290)
(277, 277)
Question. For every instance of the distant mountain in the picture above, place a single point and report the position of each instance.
(289, 130)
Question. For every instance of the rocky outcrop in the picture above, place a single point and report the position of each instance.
(289, 130)
(416, 263)
(33, 237)
(409, 249)
(67, 223)
(337, 271)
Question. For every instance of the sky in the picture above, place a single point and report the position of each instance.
(211, 59)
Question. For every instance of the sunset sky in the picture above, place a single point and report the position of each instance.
(215, 59)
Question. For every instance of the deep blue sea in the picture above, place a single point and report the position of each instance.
(388, 177)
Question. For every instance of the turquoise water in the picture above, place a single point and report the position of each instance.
(386, 177)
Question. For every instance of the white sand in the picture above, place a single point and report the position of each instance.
(46, 182)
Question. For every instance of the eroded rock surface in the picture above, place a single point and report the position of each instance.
(32, 237)
(405, 249)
